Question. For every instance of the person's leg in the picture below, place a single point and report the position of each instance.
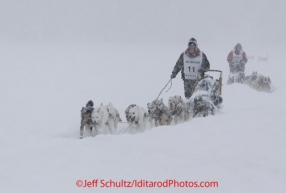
(189, 88)
(230, 80)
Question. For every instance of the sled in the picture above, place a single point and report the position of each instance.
(206, 95)
(219, 81)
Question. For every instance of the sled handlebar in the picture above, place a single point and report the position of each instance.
(213, 71)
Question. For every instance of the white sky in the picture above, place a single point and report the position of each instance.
(257, 22)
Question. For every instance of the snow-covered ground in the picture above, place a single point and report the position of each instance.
(43, 87)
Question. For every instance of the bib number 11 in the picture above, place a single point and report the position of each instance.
(192, 68)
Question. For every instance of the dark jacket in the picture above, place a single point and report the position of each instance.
(180, 64)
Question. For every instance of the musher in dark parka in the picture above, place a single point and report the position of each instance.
(191, 62)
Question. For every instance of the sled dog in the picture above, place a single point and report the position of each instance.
(86, 121)
(202, 107)
(105, 115)
(138, 116)
(249, 79)
(127, 114)
(159, 112)
(151, 108)
(178, 109)
(258, 82)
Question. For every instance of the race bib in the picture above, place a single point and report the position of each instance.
(191, 70)
(191, 66)
(236, 59)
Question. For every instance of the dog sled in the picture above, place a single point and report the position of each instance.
(207, 95)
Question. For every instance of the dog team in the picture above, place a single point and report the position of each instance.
(237, 60)
(256, 81)
(206, 99)
(97, 120)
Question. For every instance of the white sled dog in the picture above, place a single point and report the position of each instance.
(137, 116)
(128, 119)
(151, 108)
(105, 115)
(258, 82)
(178, 109)
(159, 112)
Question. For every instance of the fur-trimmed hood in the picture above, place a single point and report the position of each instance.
(198, 51)
(193, 40)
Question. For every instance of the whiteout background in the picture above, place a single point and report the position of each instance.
(57, 55)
